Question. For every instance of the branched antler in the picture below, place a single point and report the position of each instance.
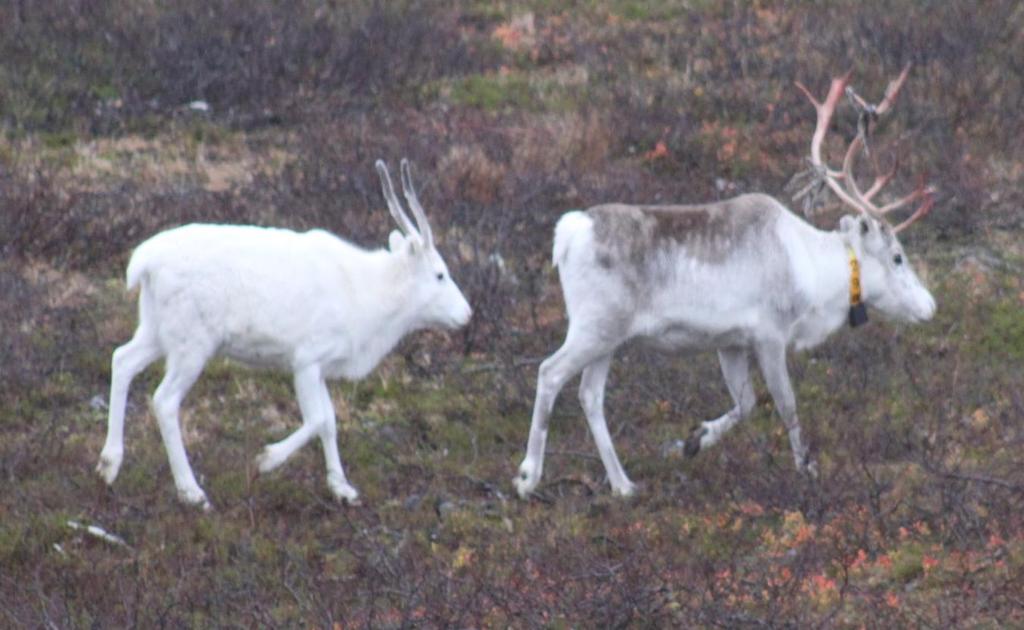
(843, 183)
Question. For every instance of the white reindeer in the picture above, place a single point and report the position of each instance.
(309, 303)
(744, 277)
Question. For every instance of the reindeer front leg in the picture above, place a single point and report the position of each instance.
(772, 357)
(736, 370)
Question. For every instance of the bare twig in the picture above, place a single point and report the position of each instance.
(99, 532)
(994, 481)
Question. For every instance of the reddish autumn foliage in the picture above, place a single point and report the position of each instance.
(510, 114)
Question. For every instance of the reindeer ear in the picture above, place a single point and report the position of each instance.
(848, 224)
(399, 243)
(396, 241)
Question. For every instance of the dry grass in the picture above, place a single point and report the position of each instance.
(509, 121)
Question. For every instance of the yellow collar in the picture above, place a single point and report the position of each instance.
(854, 276)
(858, 313)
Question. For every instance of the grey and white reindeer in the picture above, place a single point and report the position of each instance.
(309, 303)
(743, 276)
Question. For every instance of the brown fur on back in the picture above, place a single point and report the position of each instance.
(710, 233)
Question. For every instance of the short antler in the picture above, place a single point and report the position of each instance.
(414, 203)
(392, 200)
(843, 183)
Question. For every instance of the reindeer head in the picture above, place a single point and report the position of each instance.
(434, 295)
(890, 284)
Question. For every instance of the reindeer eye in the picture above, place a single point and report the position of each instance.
(440, 277)
(898, 259)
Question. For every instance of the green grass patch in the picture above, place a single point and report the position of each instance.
(493, 92)
(513, 91)
(22, 541)
(1003, 336)
(652, 10)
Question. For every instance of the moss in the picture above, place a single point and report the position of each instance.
(433, 447)
(104, 91)
(279, 491)
(137, 476)
(28, 540)
(340, 562)
(1003, 336)
(58, 139)
(492, 92)
(13, 545)
(646, 10)
(906, 563)
(203, 132)
(518, 90)
(486, 11)
(229, 485)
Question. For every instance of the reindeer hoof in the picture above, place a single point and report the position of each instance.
(693, 442)
(343, 490)
(195, 498)
(108, 466)
(527, 480)
(625, 491)
(810, 468)
(355, 501)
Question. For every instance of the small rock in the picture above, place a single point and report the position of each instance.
(98, 403)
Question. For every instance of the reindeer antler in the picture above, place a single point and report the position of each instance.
(843, 183)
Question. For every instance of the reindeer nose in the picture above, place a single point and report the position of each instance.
(927, 310)
(465, 314)
(930, 311)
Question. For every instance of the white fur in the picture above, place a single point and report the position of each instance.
(308, 303)
(780, 284)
